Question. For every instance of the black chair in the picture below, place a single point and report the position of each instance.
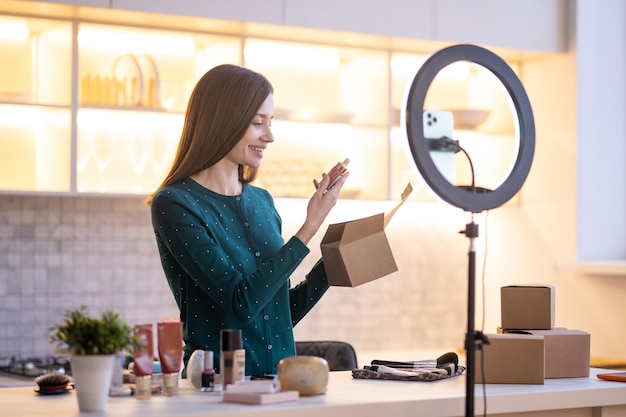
(340, 356)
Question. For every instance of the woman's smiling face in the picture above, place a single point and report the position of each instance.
(249, 150)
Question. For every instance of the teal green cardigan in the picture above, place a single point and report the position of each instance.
(228, 267)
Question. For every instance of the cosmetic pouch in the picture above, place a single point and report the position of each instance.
(446, 366)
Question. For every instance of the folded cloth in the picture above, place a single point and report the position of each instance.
(446, 366)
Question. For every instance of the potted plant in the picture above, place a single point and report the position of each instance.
(92, 343)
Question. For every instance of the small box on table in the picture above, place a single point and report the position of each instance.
(567, 352)
(527, 307)
(511, 359)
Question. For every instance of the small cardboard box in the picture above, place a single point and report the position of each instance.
(527, 307)
(567, 351)
(357, 252)
(511, 359)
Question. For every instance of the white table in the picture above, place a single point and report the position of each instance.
(571, 397)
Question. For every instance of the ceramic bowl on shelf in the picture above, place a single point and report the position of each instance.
(469, 119)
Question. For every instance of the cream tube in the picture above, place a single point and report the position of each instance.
(170, 338)
(144, 361)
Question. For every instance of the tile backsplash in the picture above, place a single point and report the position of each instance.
(59, 252)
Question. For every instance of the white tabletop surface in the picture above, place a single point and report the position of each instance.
(345, 396)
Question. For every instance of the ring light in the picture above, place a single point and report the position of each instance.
(462, 197)
(471, 199)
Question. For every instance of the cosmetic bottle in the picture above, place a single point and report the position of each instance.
(337, 172)
(232, 357)
(208, 373)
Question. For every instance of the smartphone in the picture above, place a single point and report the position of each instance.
(613, 376)
(437, 125)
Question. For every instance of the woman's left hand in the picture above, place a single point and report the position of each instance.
(320, 204)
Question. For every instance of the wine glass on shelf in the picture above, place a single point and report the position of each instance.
(84, 157)
(138, 153)
(84, 151)
(104, 150)
(138, 150)
(160, 155)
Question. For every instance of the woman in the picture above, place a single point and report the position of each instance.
(219, 237)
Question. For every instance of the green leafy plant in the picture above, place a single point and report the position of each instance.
(81, 334)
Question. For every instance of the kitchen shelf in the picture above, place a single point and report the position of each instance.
(127, 108)
(600, 267)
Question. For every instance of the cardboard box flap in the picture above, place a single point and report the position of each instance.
(333, 235)
(530, 286)
(360, 229)
(347, 232)
(405, 194)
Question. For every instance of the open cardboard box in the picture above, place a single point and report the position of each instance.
(357, 251)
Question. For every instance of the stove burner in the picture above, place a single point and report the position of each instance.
(35, 366)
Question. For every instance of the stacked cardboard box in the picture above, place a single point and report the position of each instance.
(528, 348)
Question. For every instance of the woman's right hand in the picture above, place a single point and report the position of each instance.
(319, 206)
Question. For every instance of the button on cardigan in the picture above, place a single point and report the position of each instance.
(228, 267)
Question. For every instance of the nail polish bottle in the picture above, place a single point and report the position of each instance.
(337, 172)
(208, 373)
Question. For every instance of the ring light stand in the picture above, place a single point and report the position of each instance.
(470, 199)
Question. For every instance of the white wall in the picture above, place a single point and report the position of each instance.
(601, 65)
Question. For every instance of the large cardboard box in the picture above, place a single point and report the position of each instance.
(511, 359)
(357, 252)
(567, 351)
(527, 307)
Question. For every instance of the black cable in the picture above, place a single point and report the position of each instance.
(469, 160)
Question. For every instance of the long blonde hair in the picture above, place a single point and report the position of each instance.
(221, 107)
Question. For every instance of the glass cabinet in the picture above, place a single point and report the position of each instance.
(133, 89)
(35, 104)
(331, 103)
(97, 107)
